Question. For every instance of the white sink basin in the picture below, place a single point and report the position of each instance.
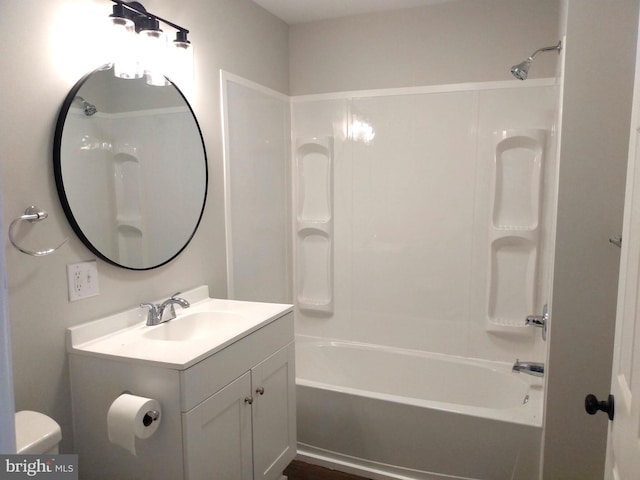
(192, 326)
(207, 326)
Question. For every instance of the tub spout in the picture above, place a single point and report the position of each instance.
(530, 368)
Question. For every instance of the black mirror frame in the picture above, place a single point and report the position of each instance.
(57, 172)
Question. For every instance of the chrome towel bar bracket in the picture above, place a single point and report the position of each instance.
(32, 214)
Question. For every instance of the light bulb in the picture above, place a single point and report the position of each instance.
(153, 49)
(181, 68)
(124, 43)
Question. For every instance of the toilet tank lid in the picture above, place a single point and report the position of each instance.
(35, 432)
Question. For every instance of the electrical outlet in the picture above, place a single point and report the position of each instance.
(83, 280)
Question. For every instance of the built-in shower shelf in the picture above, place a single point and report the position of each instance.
(529, 233)
(514, 228)
(502, 327)
(312, 305)
(514, 234)
(320, 226)
(314, 224)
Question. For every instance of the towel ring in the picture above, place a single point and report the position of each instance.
(31, 215)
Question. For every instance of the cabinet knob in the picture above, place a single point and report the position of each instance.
(248, 400)
(260, 391)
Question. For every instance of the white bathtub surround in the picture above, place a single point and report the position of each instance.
(408, 249)
(428, 244)
(391, 413)
(442, 208)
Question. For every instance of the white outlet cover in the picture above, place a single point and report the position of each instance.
(82, 280)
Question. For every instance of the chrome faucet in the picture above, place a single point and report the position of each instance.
(156, 312)
(541, 321)
(530, 368)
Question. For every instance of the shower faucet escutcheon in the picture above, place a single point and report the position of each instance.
(156, 312)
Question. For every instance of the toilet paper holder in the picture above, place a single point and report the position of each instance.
(150, 417)
(132, 418)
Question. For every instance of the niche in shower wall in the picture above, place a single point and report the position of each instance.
(515, 227)
(314, 224)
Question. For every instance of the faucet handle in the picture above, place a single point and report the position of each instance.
(540, 321)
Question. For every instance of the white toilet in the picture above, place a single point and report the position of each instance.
(36, 434)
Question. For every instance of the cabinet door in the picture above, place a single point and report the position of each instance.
(274, 414)
(217, 435)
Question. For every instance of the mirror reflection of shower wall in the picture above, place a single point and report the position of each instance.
(257, 186)
(128, 203)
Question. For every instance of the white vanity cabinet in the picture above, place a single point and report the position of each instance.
(227, 398)
(246, 430)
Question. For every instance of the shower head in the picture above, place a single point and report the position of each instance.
(88, 108)
(521, 70)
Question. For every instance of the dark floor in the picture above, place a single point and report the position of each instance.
(304, 471)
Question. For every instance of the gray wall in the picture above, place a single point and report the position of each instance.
(452, 42)
(39, 66)
(598, 82)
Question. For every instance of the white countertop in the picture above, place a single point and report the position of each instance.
(124, 336)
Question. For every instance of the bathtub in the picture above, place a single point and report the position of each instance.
(387, 413)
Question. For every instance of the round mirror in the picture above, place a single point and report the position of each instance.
(131, 169)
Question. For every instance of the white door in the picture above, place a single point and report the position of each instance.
(623, 447)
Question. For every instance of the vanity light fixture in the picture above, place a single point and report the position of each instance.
(141, 47)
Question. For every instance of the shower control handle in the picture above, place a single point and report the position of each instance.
(593, 406)
(540, 321)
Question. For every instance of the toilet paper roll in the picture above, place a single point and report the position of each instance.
(130, 417)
